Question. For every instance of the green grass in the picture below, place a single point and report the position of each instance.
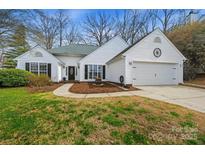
(42, 118)
(132, 137)
(174, 114)
(116, 134)
(110, 119)
(188, 123)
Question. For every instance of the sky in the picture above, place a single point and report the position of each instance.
(78, 15)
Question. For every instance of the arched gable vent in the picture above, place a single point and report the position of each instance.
(157, 40)
(38, 54)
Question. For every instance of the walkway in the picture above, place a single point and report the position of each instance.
(193, 98)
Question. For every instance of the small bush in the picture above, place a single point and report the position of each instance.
(14, 77)
(39, 81)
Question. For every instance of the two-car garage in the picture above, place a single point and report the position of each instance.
(152, 73)
(153, 60)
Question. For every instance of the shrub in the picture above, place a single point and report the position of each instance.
(39, 81)
(14, 77)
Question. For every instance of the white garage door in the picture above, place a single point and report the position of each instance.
(154, 73)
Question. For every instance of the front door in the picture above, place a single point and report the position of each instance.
(71, 72)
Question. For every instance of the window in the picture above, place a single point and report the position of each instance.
(93, 71)
(39, 68)
(34, 68)
(43, 68)
(90, 74)
(100, 71)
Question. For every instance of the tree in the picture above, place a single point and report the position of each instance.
(190, 40)
(63, 21)
(98, 27)
(7, 25)
(150, 23)
(166, 18)
(44, 29)
(17, 46)
(73, 36)
(130, 25)
(123, 25)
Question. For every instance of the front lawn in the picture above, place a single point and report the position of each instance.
(41, 118)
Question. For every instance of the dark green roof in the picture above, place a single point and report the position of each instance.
(73, 49)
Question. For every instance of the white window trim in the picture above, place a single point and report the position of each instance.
(88, 72)
(38, 66)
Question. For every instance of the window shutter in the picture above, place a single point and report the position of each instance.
(103, 71)
(27, 67)
(86, 71)
(66, 71)
(49, 70)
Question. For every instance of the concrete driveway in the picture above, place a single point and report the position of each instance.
(193, 98)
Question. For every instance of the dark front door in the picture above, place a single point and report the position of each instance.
(71, 73)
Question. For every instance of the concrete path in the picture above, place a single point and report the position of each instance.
(193, 98)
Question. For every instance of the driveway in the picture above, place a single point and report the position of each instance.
(193, 98)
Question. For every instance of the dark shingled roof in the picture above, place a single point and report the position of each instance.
(73, 49)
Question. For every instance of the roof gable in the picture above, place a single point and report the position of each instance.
(38, 49)
(107, 51)
(127, 50)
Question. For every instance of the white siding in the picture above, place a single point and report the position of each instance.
(143, 51)
(115, 70)
(46, 58)
(70, 61)
(103, 54)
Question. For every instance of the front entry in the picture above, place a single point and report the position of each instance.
(71, 72)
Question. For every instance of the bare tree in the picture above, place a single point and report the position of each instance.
(63, 21)
(166, 18)
(123, 25)
(73, 35)
(130, 25)
(150, 23)
(44, 30)
(99, 27)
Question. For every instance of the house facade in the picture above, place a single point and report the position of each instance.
(153, 60)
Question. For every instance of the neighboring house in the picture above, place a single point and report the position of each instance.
(153, 60)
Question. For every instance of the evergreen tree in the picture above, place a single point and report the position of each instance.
(17, 46)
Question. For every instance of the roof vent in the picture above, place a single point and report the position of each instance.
(157, 40)
(38, 54)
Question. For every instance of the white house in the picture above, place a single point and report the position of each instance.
(153, 60)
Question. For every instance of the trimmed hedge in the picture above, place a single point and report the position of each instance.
(14, 77)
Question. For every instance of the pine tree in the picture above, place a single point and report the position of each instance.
(17, 46)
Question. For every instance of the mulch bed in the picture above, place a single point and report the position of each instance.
(90, 87)
(198, 81)
(51, 87)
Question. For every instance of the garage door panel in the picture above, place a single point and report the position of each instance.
(154, 74)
